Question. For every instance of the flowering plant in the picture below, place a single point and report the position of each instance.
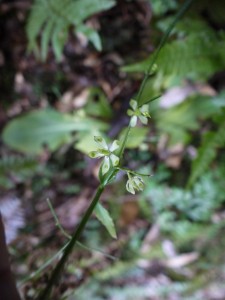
(135, 181)
(112, 157)
(136, 113)
(106, 152)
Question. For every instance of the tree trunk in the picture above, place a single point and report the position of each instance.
(8, 290)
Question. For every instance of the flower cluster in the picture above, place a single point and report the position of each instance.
(110, 159)
(107, 152)
(138, 113)
(134, 183)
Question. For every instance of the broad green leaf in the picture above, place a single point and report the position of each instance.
(136, 137)
(98, 105)
(85, 141)
(104, 217)
(29, 133)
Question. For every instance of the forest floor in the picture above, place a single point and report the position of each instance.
(141, 263)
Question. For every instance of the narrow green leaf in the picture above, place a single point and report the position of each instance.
(136, 137)
(147, 101)
(46, 35)
(104, 217)
(58, 40)
(91, 34)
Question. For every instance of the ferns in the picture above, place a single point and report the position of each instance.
(214, 9)
(195, 56)
(19, 168)
(179, 121)
(54, 17)
(16, 164)
(161, 7)
(207, 152)
(191, 58)
(183, 212)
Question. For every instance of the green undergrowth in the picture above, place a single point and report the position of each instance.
(186, 202)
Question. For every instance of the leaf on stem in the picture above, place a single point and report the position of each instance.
(104, 217)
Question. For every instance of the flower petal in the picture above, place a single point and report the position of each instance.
(115, 145)
(144, 111)
(144, 108)
(144, 120)
(130, 112)
(95, 154)
(101, 142)
(133, 104)
(139, 184)
(105, 165)
(115, 159)
(133, 121)
(129, 187)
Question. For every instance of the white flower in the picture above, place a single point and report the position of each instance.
(134, 183)
(106, 152)
(138, 112)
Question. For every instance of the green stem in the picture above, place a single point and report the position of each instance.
(124, 141)
(45, 294)
(164, 39)
(133, 172)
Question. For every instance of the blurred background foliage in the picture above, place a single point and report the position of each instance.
(69, 73)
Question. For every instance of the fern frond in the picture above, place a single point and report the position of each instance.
(179, 120)
(161, 7)
(53, 18)
(16, 164)
(215, 10)
(195, 56)
(207, 152)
